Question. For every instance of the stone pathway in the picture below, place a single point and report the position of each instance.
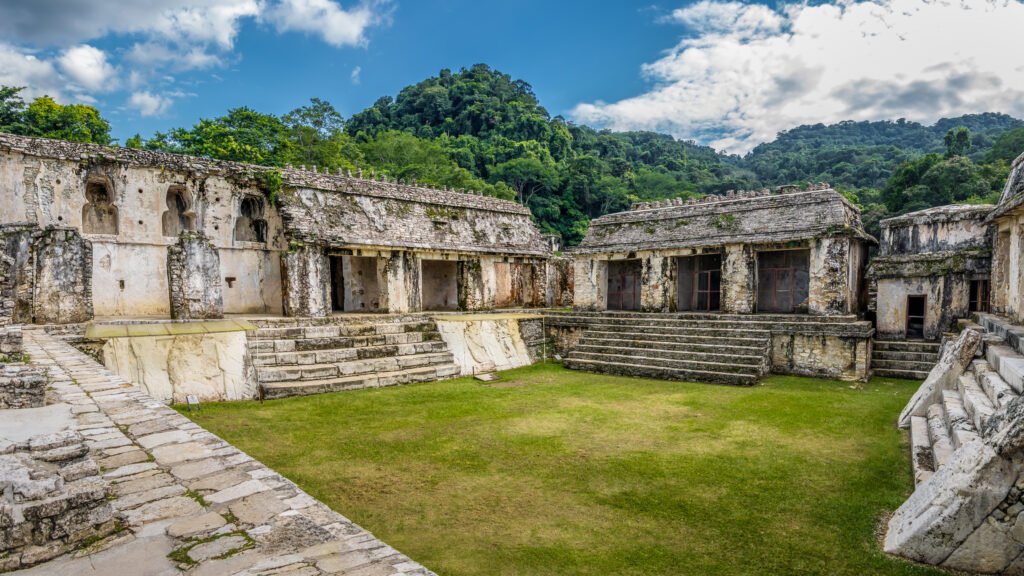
(189, 501)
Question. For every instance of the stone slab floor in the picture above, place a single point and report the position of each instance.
(189, 501)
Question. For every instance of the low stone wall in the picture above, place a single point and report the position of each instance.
(54, 502)
(821, 355)
(487, 342)
(21, 386)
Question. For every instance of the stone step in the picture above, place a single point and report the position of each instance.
(653, 359)
(267, 374)
(902, 355)
(1008, 363)
(586, 345)
(922, 458)
(345, 354)
(721, 332)
(337, 319)
(704, 317)
(913, 366)
(977, 403)
(942, 443)
(998, 390)
(907, 346)
(340, 330)
(681, 339)
(960, 424)
(897, 373)
(314, 344)
(372, 380)
(652, 371)
(712, 347)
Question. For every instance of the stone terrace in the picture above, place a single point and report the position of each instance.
(190, 501)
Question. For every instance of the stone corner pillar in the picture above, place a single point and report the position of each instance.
(590, 276)
(656, 284)
(193, 278)
(62, 287)
(829, 291)
(306, 281)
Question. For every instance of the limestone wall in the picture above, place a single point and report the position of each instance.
(21, 386)
(212, 366)
(821, 355)
(488, 342)
(941, 229)
(193, 272)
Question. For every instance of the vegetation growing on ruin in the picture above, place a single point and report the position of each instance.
(482, 130)
(272, 181)
(550, 471)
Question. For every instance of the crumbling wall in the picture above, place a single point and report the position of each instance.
(829, 290)
(472, 294)
(821, 355)
(21, 386)
(193, 277)
(560, 282)
(63, 277)
(306, 281)
(54, 502)
(590, 276)
(656, 283)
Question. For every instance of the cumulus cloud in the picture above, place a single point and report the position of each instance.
(744, 72)
(88, 68)
(39, 76)
(149, 104)
(326, 19)
(356, 74)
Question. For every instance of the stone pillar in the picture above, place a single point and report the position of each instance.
(193, 278)
(1000, 271)
(829, 291)
(590, 284)
(738, 277)
(471, 284)
(1015, 304)
(62, 288)
(306, 285)
(402, 281)
(656, 284)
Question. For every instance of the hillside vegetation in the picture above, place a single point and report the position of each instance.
(480, 129)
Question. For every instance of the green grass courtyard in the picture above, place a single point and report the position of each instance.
(551, 471)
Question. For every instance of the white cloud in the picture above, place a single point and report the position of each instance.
(325, 18)
(745, 72)
(356, 74)
(88, 67)
(149, 104)
(39, 76)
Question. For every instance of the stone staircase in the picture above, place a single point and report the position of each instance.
(988, 385)
(908, 359)
(696, 347)
(296, 357)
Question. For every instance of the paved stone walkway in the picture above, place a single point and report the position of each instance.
(189, 501)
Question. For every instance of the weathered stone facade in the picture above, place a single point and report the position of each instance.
(745, 237)
(936, 255)
(1008, 246)
(21, 386)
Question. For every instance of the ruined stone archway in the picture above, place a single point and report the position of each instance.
(179, 216)
(99, 215)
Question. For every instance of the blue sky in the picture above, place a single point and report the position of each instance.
(730, 74)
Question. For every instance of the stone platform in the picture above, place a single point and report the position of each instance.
(187, 501)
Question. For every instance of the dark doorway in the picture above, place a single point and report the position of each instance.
(439, 286)
(979, 296)
(916, 306)
(624, 284)
(699, 283)
(337, 284)
(783, 281)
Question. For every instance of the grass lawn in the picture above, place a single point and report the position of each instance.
(551, 471)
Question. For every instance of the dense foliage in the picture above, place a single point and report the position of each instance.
(480, 129)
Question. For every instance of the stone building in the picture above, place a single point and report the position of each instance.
(1008, 247)
(115, 232)
(932, 268)
(723, 289)
(795, 251)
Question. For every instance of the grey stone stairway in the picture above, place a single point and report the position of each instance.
(701, 348)
(910, 359)
(295, 357)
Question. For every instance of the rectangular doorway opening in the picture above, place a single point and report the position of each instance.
(337, 284)
(439, 288)
(699, 283)
(783, 281)
(979, 296)
(624, 284)
(916, 306)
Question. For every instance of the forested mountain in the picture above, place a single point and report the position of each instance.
(479, 128)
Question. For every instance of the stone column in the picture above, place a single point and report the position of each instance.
(829, 287)
(62, 288)
(193, 278)
(656, 284)
(590, 284)
(738, 277)
(306, 274)
(402, 278)
(471, 284)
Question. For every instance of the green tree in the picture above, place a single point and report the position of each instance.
(957, 141)
(12, 110)
(243, 135)
(45, 118)
(134, 142)
(527, 176)
(1006, 147)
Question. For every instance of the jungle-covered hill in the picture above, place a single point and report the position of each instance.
(479, 128)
